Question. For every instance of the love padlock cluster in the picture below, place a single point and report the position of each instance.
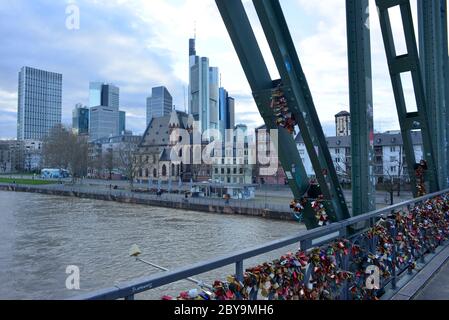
(344, 268)
(284, 116)
(420, 170)
(297, 207)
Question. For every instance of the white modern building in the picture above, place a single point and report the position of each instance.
(39, 103)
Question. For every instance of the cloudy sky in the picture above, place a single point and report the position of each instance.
(139, 44)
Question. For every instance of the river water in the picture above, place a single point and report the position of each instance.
(41, 235)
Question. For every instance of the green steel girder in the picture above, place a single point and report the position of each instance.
(301, 104)
(361, 102)
(434, 63)
(299, 99)
(408, 63)
(256, 71)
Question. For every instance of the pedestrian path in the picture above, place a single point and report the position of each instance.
(438, 287)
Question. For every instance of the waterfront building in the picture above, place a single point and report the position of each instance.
(389, 155)
(267, 156)
(39, 103)
(159, 155)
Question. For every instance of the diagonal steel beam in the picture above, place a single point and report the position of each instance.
(256, 71)
(301, 103)
(409, 62)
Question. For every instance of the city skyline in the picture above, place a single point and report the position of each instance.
(139, 51)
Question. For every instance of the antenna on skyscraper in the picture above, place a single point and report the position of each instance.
(194, 30)
(185, 99)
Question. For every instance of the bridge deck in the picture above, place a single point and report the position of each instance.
(438, 287)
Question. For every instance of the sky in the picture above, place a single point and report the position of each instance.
(140, 44)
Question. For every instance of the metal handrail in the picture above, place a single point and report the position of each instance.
(307, 239)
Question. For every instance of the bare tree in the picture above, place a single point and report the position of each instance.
(109, 162)
(129, 162)
(64, 150)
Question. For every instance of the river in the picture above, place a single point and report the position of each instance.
(41, 235)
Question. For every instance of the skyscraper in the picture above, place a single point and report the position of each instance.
(106, 95)
(160, 104)
(104, 102)
(203, 90)
(80, 123)
(122, 122)
(227, 112)
(39, 103)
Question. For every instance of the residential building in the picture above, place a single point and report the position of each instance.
(12, 156)
(389, 155)
(39, 103)
(80, 120)
(104, 156)
(160, 103)
(32, 155)
(267, 157)
(6, 157)
(232, 165)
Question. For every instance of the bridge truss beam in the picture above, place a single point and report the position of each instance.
(299, 97)
(398, 65)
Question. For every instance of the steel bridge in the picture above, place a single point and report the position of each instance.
(287, 103)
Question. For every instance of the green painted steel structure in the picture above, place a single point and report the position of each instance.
(402, 64)
(434, 63)
(361, 102)
(297, 92)
(435, 134)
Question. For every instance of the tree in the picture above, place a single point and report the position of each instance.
(129, 162)
(63, 149)
(109, 162)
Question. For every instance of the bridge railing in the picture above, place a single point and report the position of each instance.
(307, 240)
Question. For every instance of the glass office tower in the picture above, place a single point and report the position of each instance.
(39, 103)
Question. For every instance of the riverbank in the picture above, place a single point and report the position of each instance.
(216, 206)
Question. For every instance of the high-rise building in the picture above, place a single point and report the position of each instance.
(80, 117)
(160, 104)
(226, 113)
(104, 123)
(105, 117)
(203, 90)
(39, 103)
(106, 95)
(122, 122)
